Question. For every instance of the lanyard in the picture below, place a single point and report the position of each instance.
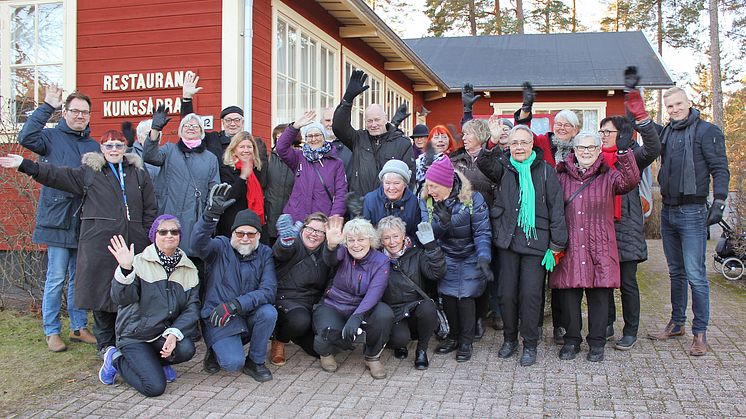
(120, 177)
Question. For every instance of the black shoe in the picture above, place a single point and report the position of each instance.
(610, 331)
(479, 329)
(447, 346)
(569, 351)
(210, 363)
(596, 354)
(256, 371)
(497, 322)
(401, 353)
(420, 360)
(625, 343)
(559, 335)
(528, 357)
(507, 349)
(464, 352)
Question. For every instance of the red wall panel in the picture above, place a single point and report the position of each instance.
(261, 112)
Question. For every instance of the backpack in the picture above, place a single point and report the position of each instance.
(646, 192)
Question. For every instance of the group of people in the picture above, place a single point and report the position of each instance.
(340, 236)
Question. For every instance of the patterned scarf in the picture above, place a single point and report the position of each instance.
(563, 149)
(169, 262)
(316, 155)
(527, 212)
(397, 255)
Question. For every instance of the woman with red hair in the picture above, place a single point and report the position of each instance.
(440, 142)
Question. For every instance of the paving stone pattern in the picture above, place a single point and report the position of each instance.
(655, 379)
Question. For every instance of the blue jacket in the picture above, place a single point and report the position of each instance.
(377, 206)
(57, 223)
(467, 239)
(251, 281)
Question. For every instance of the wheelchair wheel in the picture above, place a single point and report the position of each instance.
(717, 264)
(733, 268)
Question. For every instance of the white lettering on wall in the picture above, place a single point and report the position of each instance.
(140, 107)
(143, 81)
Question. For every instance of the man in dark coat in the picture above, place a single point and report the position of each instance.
(371, 147)
(57, 224)
(692, 151)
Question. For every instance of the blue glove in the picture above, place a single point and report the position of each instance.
(287, 232)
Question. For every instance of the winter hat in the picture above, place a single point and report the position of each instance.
(229, 110)
(246, 217)
(313, 125)
(420, 130)
(398, 167)
(441, 172)
(157, 223)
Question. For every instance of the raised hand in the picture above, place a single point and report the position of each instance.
(11, 161)
(128, 133)
(123, 254)
(305, 119)
(53, 96)
(160, 119)
(334, 234)
(631, 78)
(218, 202)
(189, 89)
(468, 97)
(425, 233)
(400, 115)
(528, 97)
(355, 85)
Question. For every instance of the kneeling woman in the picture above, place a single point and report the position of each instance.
(414, 312)
(354, 296)
(158, 310)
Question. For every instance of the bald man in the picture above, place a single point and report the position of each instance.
(373, 146)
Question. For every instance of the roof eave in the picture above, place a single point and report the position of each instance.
(556, 88)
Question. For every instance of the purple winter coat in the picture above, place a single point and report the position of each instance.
(591, 259)
(358, 285)
(309, 195)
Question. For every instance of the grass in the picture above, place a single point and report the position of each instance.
(28, 371)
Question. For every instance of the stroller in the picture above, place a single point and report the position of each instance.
(726, 260)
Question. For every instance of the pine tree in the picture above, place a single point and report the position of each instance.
(456, 15)
(550, 16)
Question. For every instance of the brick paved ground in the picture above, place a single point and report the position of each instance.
(653, 380)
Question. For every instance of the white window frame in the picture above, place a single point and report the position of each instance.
(543, 107)
(357, 119)
(289, 16)
(400, 94)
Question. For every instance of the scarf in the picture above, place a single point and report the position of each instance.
(397, 255)
(527, 212)
(316, 155)
(563, 149)
(610, 157)
(687, 182)
(169, 262)
(254, 194)
(191, 143)
(198, 148)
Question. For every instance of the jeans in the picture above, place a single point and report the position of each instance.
(61, 261)
(141, 365)
(229, 350)
(684, 233)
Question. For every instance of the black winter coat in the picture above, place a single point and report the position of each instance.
(279, 187)
(420, 265)
(369, 153)
(232, 177)
(464, 163)
(103, 215)
(551, 229)
(302, 275)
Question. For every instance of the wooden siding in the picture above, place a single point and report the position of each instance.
(262, 71)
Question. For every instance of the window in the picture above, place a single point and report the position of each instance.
(373, 95)
(589, 113)
(395, 96)
(32, 47)
(305, 70)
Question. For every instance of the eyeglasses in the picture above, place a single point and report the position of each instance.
(242, 234)
(110, 147)
(563, 125)
(232, 120)
(173, 232)
(77, 112)
(440, 137)
(308, 136)
(582, 148)
(312, 231)
(191, 126)
(520, 143)
(606, 132)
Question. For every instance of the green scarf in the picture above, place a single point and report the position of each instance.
(527, 213)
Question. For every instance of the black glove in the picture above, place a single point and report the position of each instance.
(128, 133)
(443, 212)
(468, 97)
(624, 136)
(528, 97)
(715, 213)
(224, 312)
(350, 330)
(355, 86)
(429, 156)
(218, 201)
(631, 78)
(160, 119)
(484, 267)
(354, 204)
(400, 115)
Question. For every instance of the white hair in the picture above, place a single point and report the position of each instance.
(143, 129)
(587, 134)
(188, 118)
(568, 116)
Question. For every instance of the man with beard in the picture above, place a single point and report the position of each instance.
(239, 292)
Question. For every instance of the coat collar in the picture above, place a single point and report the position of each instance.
(96, 160)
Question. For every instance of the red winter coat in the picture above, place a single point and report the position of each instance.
(592, 260)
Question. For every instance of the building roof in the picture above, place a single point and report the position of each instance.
(561, 61)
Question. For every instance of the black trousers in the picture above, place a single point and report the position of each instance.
(420, 325)
(377, 329)
(598, 310)
(141, 365)
(295, 325)
(521, 290)
(556, 307)
(630, 299)
(103, 328)
(461, 315)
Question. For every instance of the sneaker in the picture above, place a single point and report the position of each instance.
(108, 372)
(82, 335)
(170, 374)
(625, 343)
(55, 343)
(671, 331)
(569, 351)
(258, 372)
(596, 354)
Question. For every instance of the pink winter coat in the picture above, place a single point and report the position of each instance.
(592, 260)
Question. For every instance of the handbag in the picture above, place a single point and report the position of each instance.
(442, 329)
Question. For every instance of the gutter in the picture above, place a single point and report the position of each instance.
(248, 69)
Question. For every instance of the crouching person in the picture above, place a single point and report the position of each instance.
(239, 290)
(158, 300)
(353, 300)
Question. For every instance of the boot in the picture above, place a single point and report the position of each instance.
(401, 353)
(529, 356)
(672, 330)
(277, 353)
(373, 363)
(55, 343)
(447, 346)
(464, 352)
(258, 372)
(699, 345)
(497, 323)
(479, 328)
(328, 363)
(420, 360)
(82, 335)
(210, 363)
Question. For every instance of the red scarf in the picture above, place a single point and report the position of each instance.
(610, 157)
(254, 194)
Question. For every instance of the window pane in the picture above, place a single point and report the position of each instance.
(305, 104)
(313, 62)
(22, 85)
(304, 59)
(281, 100)
(50, 33)
(281, 47)
(47, 75)
(322, 66)
(22, 35)
(293, 106)
(590, 120)
(292, 47)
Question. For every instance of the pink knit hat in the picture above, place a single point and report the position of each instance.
(441, 172)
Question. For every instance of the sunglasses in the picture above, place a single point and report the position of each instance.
(242, 234)
(173, 232)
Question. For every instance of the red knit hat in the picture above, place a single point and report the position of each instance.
(441, 172)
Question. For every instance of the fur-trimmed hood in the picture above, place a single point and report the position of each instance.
(465, 193)
(96, 161)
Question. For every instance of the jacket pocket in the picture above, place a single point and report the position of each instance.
(541, 242)
(55, 211)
